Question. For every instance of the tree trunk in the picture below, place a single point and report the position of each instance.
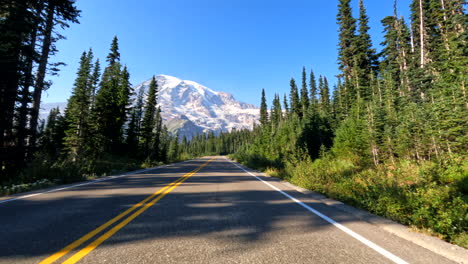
(421, 33)
(411, 37)
(41, 71)
(23, 110)
(9, 80)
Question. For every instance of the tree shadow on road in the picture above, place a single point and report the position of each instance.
(219, 203)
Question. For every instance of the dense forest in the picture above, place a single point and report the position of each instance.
(105, 128)
(29, 32)
(389, 136)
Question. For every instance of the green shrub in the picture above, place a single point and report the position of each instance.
(430, 195)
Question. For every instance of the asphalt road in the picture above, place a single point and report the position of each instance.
(201, 211)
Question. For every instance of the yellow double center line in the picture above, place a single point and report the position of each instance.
(158, 195)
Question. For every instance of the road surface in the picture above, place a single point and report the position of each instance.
(208, 210)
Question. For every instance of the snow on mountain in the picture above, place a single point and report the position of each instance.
(189, 108)
(46, 107)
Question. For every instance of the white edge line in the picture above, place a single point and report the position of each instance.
(348, 231)
(85, 183)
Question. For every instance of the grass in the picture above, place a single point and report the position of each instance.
(25, 187)
(430, 196)
(43, 173)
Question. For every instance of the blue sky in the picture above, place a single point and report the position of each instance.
(236, 46)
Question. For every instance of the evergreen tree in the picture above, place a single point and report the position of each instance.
(134, 126)
(347, 38)
(114, 55)
(174, 149)
(296, 107)
(276, 112)
(365, 59)
(58, 13)
(94, 81)
(27, 42)
(159, 143)
(396, 52)
(78, 110)
(286, 106)
(263, 110)
(112, 100)
(149, 116)
(324, 95)
(313, 89)
(304, 92)
(124, 92)
(51, 143)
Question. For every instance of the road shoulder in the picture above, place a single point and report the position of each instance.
(440, 247)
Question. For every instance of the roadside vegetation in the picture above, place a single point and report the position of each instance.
(102, 130)
(390, 137)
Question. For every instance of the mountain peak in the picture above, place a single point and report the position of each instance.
(206, 109)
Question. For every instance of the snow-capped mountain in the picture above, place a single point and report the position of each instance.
(46, 107)
(189, 108)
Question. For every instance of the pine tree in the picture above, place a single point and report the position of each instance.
(365, 58)
(174, 149)
(94, 81)
(78, 110)
(296, 107)
(396, 52)
(59, 13)
(124, 92)
(132, 134)
(263, 110)
(276, 112)
(420, 76)
(147, 124)
(51, 140)
(347, 38)
(111, 103)
(324, 95)
(286, 106)
(313, 90)
(159, 142)
(134, 126)
(304, 93)
(114, 55)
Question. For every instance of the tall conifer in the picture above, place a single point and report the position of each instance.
(148, 122)
(304, 93)
(294, 99)
(263, 110)
(78, 110)
(111, 99)
(313, 89)
(347, 38)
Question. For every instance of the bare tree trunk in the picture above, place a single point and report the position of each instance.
(421, 33)
(412, 37)
(403, 60)
(442, 27)
(442, 3)
(375, 155)
(41, 71)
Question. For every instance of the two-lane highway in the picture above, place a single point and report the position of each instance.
(208, 210)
